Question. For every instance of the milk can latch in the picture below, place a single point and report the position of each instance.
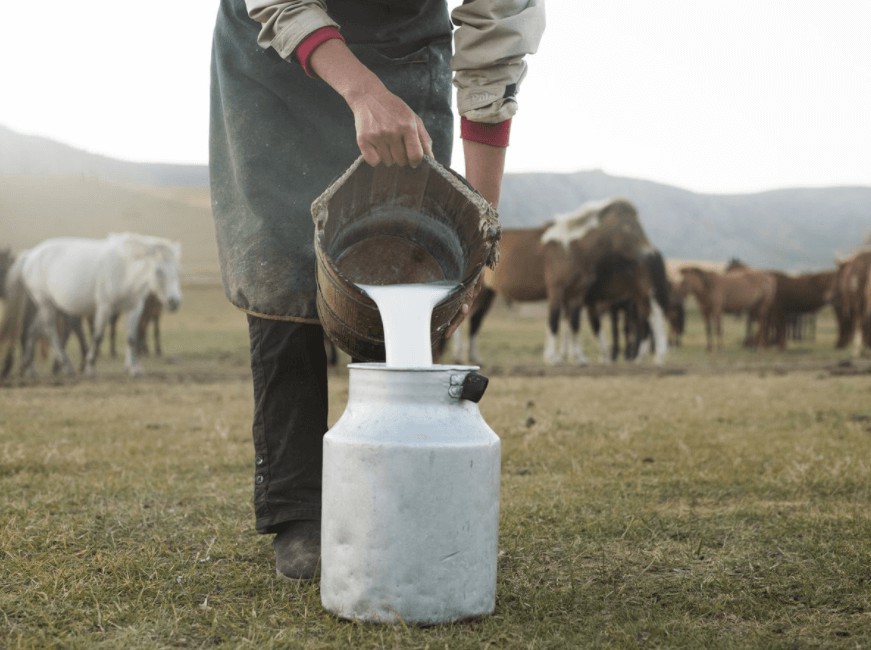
(469, 386)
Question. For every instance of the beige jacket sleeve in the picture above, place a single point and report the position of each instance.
(490, 43)
(285, 24)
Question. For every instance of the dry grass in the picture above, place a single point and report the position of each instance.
(722, 504)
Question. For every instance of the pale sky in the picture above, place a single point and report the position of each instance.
(709, 96)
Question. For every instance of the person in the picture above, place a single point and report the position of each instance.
(300, 89)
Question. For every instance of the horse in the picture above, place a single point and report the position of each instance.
(519, 277)
(795, 296)
(88, 278)
(600, 253)
(851, 299)
(636, 331)
(738, 291)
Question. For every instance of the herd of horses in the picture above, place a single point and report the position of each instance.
(50, 289)
(596, 260)
(599, 259)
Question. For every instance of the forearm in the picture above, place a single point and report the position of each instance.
(333, 62)
(485, 165)
(388, 131)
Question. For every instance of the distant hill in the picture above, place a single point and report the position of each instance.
(33, 208)
(56, 186)
(790, 229)
(35, 156)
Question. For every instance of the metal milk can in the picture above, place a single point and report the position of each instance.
(410, 498)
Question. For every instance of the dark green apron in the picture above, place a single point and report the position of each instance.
(278, 138)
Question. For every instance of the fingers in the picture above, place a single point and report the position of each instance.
(392, 138)
(424, 139)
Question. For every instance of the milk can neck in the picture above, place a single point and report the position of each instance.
(377, 382)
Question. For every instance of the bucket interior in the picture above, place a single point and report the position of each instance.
(394, 245)
(384, 226)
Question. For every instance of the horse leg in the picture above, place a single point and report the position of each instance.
(158, 352)
(29, 335)
(131, 359)
(576, 349)
(598, 332)
(551, 351)
(656, 319)
(113, 330)
(48, 318)
(101, 319)
(142, 334)
(614, 314)
(482, 306)
(64, 325)
(79, 330)
(631, 332)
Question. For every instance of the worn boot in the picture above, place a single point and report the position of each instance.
(298, 550)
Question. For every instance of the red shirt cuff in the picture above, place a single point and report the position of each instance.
(308, 45)
(495, 135)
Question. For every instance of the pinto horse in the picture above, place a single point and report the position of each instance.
(599, 254)
(91, 278)
(738, 291)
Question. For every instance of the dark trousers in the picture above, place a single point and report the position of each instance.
(289, 368)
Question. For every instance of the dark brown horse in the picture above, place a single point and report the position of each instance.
(739, 291)
(636, 331)
(796, 296)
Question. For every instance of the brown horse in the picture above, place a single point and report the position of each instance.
(519, 277)
(851, 300)
(601, 254)
(795, 296)
(739, 291)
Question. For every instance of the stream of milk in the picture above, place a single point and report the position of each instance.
(406, 316)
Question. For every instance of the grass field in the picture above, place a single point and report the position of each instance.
(719, 502)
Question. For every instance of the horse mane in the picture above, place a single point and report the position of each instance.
(141, 245)
(572, 226)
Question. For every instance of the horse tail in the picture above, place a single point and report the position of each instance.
(13, 315)
(656, 268)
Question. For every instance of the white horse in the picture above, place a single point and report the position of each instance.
(92, 278)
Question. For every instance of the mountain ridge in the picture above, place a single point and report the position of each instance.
(790, 229)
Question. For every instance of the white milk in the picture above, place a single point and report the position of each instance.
(406, 315)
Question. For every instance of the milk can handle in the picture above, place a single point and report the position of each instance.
(470, 386)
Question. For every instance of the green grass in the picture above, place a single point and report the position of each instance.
(722, 503)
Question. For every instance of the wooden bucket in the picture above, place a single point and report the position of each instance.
(397, 225)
